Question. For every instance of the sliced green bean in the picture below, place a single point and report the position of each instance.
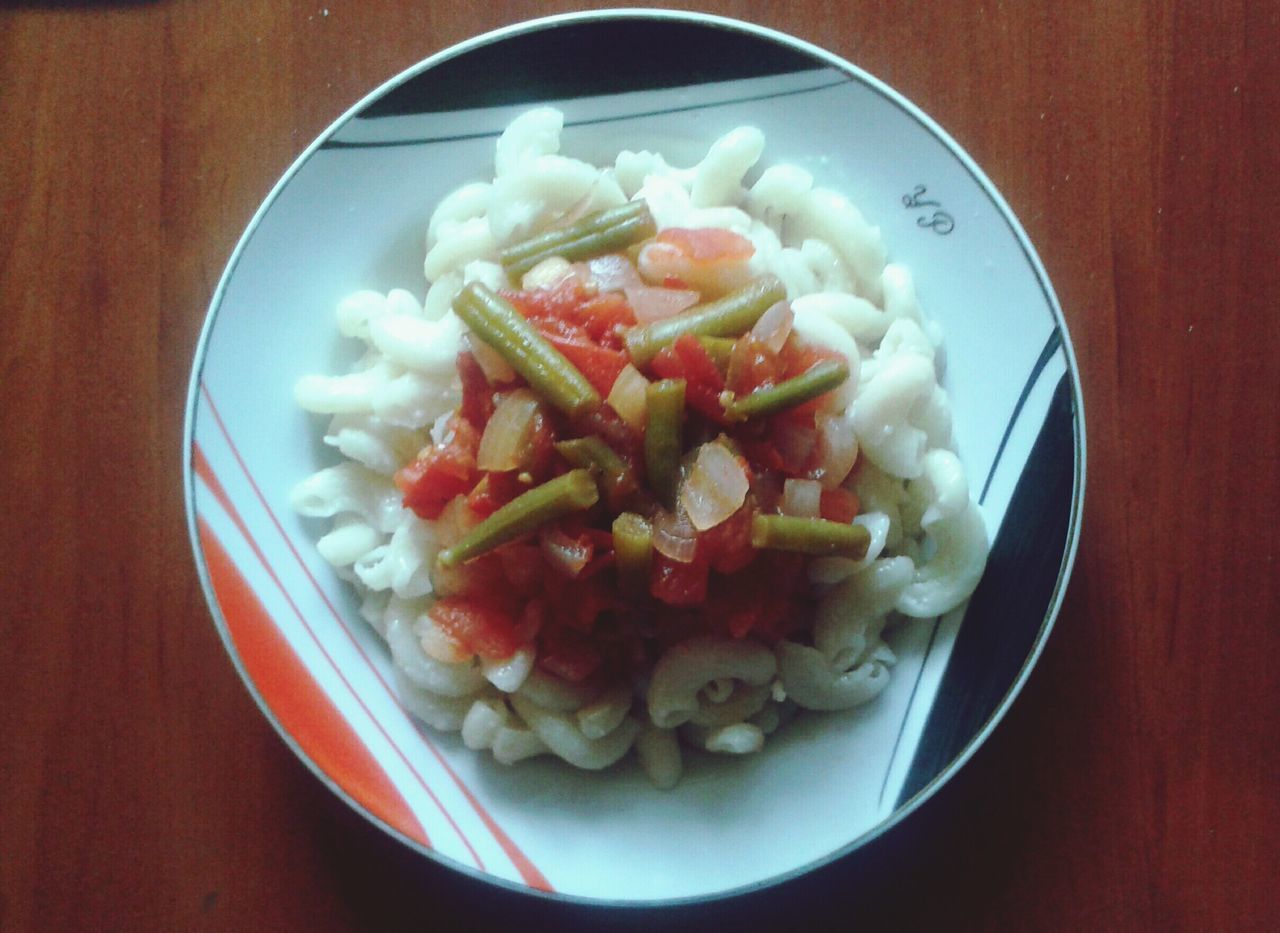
(665, 402)
(818, 380)
(720, 349)
(594, 235)
(493, 319)
(572, 492)
(592, 453)
(809, 536)
(592, 223)
(633, 548)
(730, 316)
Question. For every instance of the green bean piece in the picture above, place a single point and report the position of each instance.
(720, 349)
(596, 234)
(633, 549)
(818, 380)
(809, 536)
(665, 401)
(591, 453)
(730, 316)
(495, 321)
(575, 491)
(592, 223)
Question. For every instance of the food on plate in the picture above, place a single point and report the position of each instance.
(654, 464)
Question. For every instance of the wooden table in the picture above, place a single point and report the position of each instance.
(1135, 785)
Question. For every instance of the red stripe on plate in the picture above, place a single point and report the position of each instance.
(523, 865)
(296, 700)
(205, 472)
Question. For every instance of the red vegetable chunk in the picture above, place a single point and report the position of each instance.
(678, 584)
(839, 505)
(478, 625)
(568, 654)
(441, 472)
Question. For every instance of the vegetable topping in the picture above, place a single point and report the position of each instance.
(629, 459)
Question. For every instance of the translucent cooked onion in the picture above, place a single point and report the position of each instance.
(655, 303)
(565, 554)
(612, 273)
(837, 449)
(506, 437)
(495, 368)
(627, 396)
(802, 498)
(774, 326)
(716, 487)
(548, 274)
(674, 536)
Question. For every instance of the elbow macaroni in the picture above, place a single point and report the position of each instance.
(720, 694)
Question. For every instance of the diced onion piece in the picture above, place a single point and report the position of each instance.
(802, 498)
(716, 487)
(652, 303)
(627, 397)
(774, 326)
(566, 554)
(611, 273)
(495, 368)
(506, 437)
(674, 536)
(547, 274)
(837, 449)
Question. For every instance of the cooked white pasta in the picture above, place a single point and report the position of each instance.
(718, 692)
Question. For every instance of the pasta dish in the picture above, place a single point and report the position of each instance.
(654, 464)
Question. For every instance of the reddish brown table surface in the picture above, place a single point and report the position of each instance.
(1135, 784)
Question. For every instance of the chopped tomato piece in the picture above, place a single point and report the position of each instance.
(839, 505)
(698, 363)
(600, 365)
(798, 357)
(601, 316)
(480, 577)
(605, 316)
(532, 617)
(522, 567)
(678, 584)
(761, 600)
(752, 365)
(477, 394)
(567, 654)
(728, 544)
(577, 603)
(687, 359)
(494, 490)
(478, 625)
(708, 244)
(441, 472)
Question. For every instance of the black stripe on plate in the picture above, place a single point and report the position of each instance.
(595, 121)
(585, 60)
(1050, 348)
(1007, 612)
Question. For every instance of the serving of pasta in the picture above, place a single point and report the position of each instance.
(654, 464)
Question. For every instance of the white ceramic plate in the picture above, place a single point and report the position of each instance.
(351, 213)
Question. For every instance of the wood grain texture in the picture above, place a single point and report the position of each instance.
(1135, 785)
